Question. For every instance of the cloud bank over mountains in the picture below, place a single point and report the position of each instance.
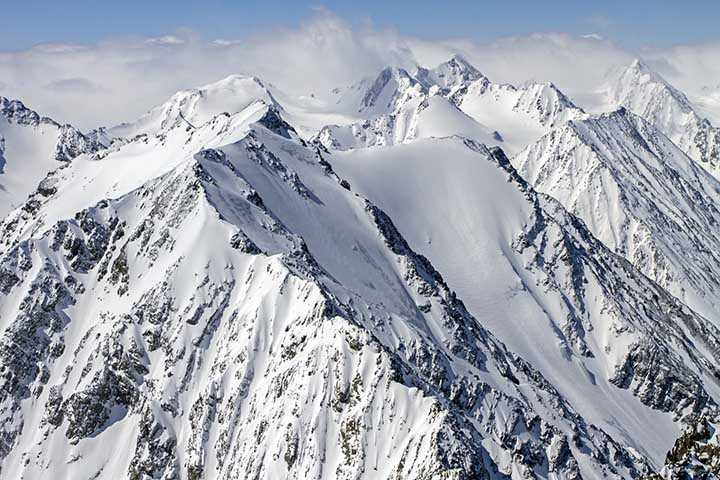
(115, 80)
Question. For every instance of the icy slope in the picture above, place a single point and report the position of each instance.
(30, 147)
(639, 194)
(645, 93)
(596, 328)
(230, 309)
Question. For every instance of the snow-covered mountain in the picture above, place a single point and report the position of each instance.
(224, 288)
(224, 305)
(397, 107)
(30, 147)
(455, 93)
(521, 115)
(644, 92)
(640, 195)
(449, 76)
(386, 93)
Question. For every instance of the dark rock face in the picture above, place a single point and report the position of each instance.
(27, 349)
(275, 123)
(16, 112)
(696, 454)
(72, 143)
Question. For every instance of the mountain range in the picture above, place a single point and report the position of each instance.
(431, 276)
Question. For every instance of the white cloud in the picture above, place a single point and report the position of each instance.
(166, 40)
(72, 85)
(117, 80)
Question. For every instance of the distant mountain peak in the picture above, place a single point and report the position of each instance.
(450, 75)
(16, 111)
(31, 146)
(639, 75)
(647, 94)
(392, 87)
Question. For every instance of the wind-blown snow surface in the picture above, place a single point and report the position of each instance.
(203, 289)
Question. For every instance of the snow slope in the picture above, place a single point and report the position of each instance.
(421, 117)
(597, 329)
(521, 115)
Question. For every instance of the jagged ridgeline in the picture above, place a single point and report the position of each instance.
(211, 292)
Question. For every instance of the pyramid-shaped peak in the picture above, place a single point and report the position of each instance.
(451, 74)
(639, 68)
(460, 61)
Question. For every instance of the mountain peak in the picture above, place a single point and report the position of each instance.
(16, 111)
(638, 65)
(391, 88)
(196, 106)
(273, 121)
(645, 92)
(450, 75)
(638, 69)
(234, 81)
(648, 95)
(459, 63)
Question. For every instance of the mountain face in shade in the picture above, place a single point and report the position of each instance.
(217, 290)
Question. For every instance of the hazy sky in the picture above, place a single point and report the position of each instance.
(634, 24)
(90, 64)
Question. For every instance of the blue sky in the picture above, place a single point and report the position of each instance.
(636, 23)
